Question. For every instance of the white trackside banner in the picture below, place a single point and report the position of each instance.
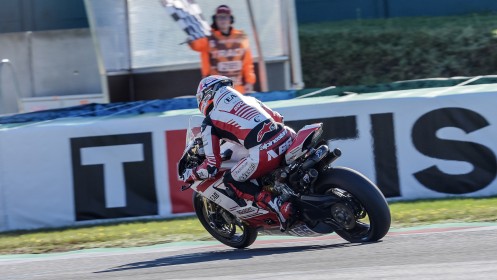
(414, 147)
(412, 144)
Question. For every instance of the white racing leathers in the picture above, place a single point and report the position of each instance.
(246, 121)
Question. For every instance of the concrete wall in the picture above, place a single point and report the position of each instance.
(15, 76)
(46, 63)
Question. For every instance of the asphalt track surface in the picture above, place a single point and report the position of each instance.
(457, 251)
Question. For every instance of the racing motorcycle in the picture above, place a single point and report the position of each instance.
(326, 198)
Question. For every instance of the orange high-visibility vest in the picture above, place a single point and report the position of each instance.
(226, 55)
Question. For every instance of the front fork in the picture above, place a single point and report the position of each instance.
(207, 204)
(210, 211)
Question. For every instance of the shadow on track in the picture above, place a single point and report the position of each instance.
(234, 254)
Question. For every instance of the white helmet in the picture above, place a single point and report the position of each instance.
(207, 88)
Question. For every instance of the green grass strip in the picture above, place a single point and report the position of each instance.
(146, 233)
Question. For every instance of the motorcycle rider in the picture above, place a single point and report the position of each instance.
(244, 120)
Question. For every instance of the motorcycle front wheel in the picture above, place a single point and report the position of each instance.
(362, 213)
(222, 225)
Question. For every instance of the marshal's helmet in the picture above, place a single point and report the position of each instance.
(207, 89)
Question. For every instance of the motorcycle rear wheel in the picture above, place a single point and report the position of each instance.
(364, 215)
(222, 225)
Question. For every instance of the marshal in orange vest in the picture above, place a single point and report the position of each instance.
(226, 53)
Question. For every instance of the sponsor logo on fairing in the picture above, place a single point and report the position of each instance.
(245, 211)
(267, 127)
(319, 153)
(274, 141)
(281, 150)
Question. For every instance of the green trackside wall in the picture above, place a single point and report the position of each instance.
(330, 10)
(39, 15)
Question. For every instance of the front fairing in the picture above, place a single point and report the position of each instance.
(193, 145)
(194, 129)
(192, 140)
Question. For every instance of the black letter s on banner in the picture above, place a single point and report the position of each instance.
(481, 157)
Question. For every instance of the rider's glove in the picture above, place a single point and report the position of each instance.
(189, 176)
(201, 172)
(205, 172)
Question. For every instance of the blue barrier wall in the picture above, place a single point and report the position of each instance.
(329, 10)
(126, 108)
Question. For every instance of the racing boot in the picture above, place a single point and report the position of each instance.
(236, 195)
(239, 191)
(283, 209)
